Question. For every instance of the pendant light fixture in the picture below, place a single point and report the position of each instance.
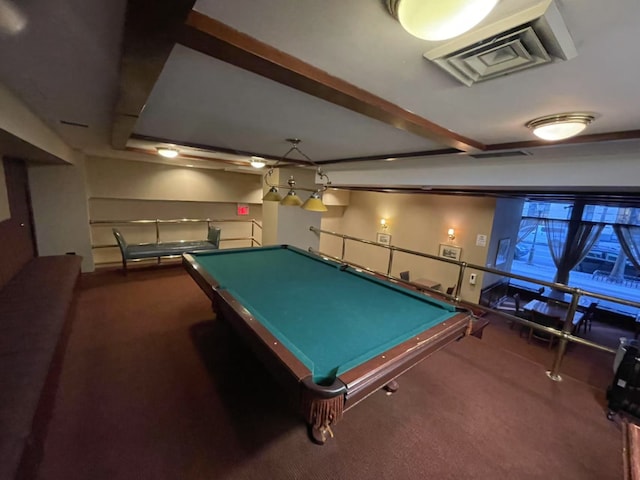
(314, 202)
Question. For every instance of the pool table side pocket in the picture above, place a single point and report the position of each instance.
(370, 376)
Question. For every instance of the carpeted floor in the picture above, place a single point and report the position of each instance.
(153, 387)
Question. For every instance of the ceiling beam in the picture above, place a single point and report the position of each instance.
(580, 140)
(159, 141)
(149, 37)
(222, 42)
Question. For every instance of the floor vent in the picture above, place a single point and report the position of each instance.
(531, 35)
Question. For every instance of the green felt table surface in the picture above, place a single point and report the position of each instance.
(331, 318)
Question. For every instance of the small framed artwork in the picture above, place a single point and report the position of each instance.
(383, 238)
(449, 251)
(503, 250)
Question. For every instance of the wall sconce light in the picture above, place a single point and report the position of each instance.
(383, 224)
(436, 20)
(451, 233)
(314, 202)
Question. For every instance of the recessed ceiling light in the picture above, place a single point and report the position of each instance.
(258, 162)
(167, 152)
(437, 20)
(560, 126)
(188, 165)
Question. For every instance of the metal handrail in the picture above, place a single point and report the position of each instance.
(174, 220)
(565, 336)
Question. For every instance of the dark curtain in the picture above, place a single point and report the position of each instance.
(527, 225)
(569, 252)
(629, 238)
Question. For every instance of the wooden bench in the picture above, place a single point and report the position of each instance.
(165, 249)
(34, 324)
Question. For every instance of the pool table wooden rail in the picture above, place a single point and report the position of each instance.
(370, 376)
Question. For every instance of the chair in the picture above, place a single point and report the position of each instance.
(512, 305)
(546, 321)
(587, 318)
(405, 275)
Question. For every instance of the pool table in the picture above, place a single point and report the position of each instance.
(331, 334)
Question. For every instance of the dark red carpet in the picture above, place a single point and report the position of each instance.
(153, 387)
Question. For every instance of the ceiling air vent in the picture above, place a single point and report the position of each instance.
(513, 153)
(521, 35)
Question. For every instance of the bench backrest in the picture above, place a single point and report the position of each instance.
(213, 236)
(122, 243)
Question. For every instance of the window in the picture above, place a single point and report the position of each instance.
(605, 269)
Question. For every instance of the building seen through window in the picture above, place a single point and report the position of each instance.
(603, 263)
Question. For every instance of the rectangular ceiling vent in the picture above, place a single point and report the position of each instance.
(513, 153)
(524, 34)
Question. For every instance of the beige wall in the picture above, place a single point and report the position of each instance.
(18, 120)
(115, 178)
(60, 211)
(108, 209)
(5, 212)
(129, 190)
(416, 222)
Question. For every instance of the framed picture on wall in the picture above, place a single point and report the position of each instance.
(383, 238)
(449, 251)
(503, 250)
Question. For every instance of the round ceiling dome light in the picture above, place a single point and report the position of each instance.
(258, 162)
(437, 20)
(167, 152)
(560, 126)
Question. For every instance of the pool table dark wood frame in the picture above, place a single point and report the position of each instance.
(349, 388)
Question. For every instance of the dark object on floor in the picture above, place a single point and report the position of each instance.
(624, 393)
(404, 276)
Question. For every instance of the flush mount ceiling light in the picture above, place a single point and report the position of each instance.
(437, 20)
(258, 162)
(314, 203)
(167, 152)
(560, 126)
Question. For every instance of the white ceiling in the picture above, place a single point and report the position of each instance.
(65, 66)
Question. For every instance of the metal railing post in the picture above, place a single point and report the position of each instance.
(390, 261)
(458, 288)
(567, 327)
(344, 246)
(158, 234)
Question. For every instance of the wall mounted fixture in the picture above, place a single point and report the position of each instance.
(314, 202)
(167, 152)
(451, 233)
(560, 126)
(437, 20)
(383, 224)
